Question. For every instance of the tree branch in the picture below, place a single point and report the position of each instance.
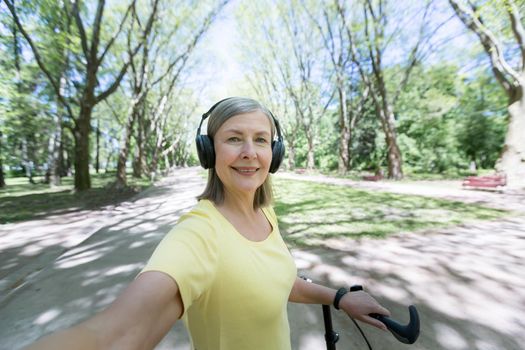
(114, 37)
(517, 28)
(184, 56)
(81, 30)
(355, 59)
(413, 58)
(38, 58)
(501, 68)
(111, 89)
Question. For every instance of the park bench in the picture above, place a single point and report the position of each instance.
(486, 182)
(376, 177)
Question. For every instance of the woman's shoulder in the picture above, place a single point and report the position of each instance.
(201, 219)
(204, 210)
(270, 213)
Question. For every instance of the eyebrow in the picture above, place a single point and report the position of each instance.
(239, 132)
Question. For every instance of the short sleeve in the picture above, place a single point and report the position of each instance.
(188, 254)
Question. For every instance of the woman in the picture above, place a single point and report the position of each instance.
(224, 269)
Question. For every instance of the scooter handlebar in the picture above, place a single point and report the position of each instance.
(408, 333)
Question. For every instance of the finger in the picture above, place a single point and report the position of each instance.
(383, 311)
(374, 322)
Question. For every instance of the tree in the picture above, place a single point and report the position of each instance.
(429, 112)
(2, 180)
(369, 43)
(289, 62)
(334, 40)
(509, 72)
(481, 128)
(88, 89)
(139, 89)
(24, 103)
(161, 70)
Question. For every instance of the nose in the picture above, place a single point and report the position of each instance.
(248, 150)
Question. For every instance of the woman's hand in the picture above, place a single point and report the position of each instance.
(360, 304)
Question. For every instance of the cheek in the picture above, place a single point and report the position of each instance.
(268, 156)
(224, 155)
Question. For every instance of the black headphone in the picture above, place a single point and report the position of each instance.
(206, 151)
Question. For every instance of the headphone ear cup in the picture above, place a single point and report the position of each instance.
(278, 151)
(205, 151)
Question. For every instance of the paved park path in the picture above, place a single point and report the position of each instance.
(467, 281)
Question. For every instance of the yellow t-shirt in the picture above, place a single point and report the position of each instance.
(235, 291)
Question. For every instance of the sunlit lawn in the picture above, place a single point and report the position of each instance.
(309, 212)
(20, 200)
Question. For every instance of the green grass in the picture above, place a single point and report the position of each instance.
(310, 212)
(409, 175)
(20, 200)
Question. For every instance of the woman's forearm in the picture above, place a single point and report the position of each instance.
(310, 293)
(78, 337)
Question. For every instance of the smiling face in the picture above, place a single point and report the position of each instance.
(243, 152)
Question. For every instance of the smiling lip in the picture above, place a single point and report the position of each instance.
(246, 170)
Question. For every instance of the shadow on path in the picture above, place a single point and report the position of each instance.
(468, 281)
(89, 272)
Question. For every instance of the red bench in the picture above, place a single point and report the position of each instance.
(300, 170)
(490, 181)
(372, 177)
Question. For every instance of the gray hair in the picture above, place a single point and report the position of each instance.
(226, 109)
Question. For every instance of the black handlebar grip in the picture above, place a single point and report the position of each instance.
(407, 334)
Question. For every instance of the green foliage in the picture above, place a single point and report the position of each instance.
(25, 114)
(444, 121)
(482, 121)
(446, 117)
(368, 151)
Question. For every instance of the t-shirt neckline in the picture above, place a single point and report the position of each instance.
(265, 213)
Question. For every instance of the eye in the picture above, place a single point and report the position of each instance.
(234, 139)
(261, 140)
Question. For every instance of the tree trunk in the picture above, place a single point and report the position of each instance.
(52, 174)
(138, 161)
(344, 132)
(160, 118)
(310, 155)
(124, 147)
(82, 130)
(28, 166)
(512, 160)
(54, 149)
(291, 155)
(349, 148)
(2, 180)
(386, 116)
(167, 164)
(108, 161)
(62, 166)
(97, 154)
(156, 152)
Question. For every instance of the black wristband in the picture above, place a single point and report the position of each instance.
(356, 287)
(340, 293)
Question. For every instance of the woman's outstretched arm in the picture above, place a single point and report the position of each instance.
(138, 319)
